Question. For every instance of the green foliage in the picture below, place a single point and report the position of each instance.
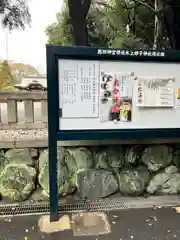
(106, 26)
(12, 73)
(151, 24)
(129, 41)
(98, 34)
(8, 89)
(20, 70)
(145, 25)
(60, 32)
(6, 78)
(139, 19)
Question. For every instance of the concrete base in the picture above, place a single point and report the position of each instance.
(46, 226)
(90, 223)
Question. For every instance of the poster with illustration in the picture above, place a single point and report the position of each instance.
(178, 98)
(116, 97)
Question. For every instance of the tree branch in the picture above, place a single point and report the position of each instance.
(129, 13)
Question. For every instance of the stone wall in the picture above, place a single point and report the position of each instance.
(91, 172)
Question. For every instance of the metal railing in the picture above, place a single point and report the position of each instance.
(27, 100)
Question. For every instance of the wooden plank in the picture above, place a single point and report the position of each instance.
(44, 114)
(26, 126)
(12, 111)
(39, 95)
(29, 111)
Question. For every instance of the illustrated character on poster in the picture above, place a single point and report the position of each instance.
(125, 111)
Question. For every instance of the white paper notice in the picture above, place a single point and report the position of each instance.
(155, 92)
(78, 88)
(125, 84)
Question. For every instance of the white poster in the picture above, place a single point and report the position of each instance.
(116, 97)
(155, 91)
(79, 88)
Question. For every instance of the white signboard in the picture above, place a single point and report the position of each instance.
(155, 91)
(79, 88)
(118, 95)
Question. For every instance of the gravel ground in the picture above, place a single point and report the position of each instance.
(135, 224)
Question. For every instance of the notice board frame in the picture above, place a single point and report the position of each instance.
(53, 54)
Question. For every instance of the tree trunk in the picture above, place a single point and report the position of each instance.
(80, 33)
(78, 10)
(2, 4)
(158, 28)
(176, 27)
(170, 26)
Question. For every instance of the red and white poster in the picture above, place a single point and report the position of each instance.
(116, 91)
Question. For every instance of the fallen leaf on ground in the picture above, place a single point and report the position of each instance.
(177, 209)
